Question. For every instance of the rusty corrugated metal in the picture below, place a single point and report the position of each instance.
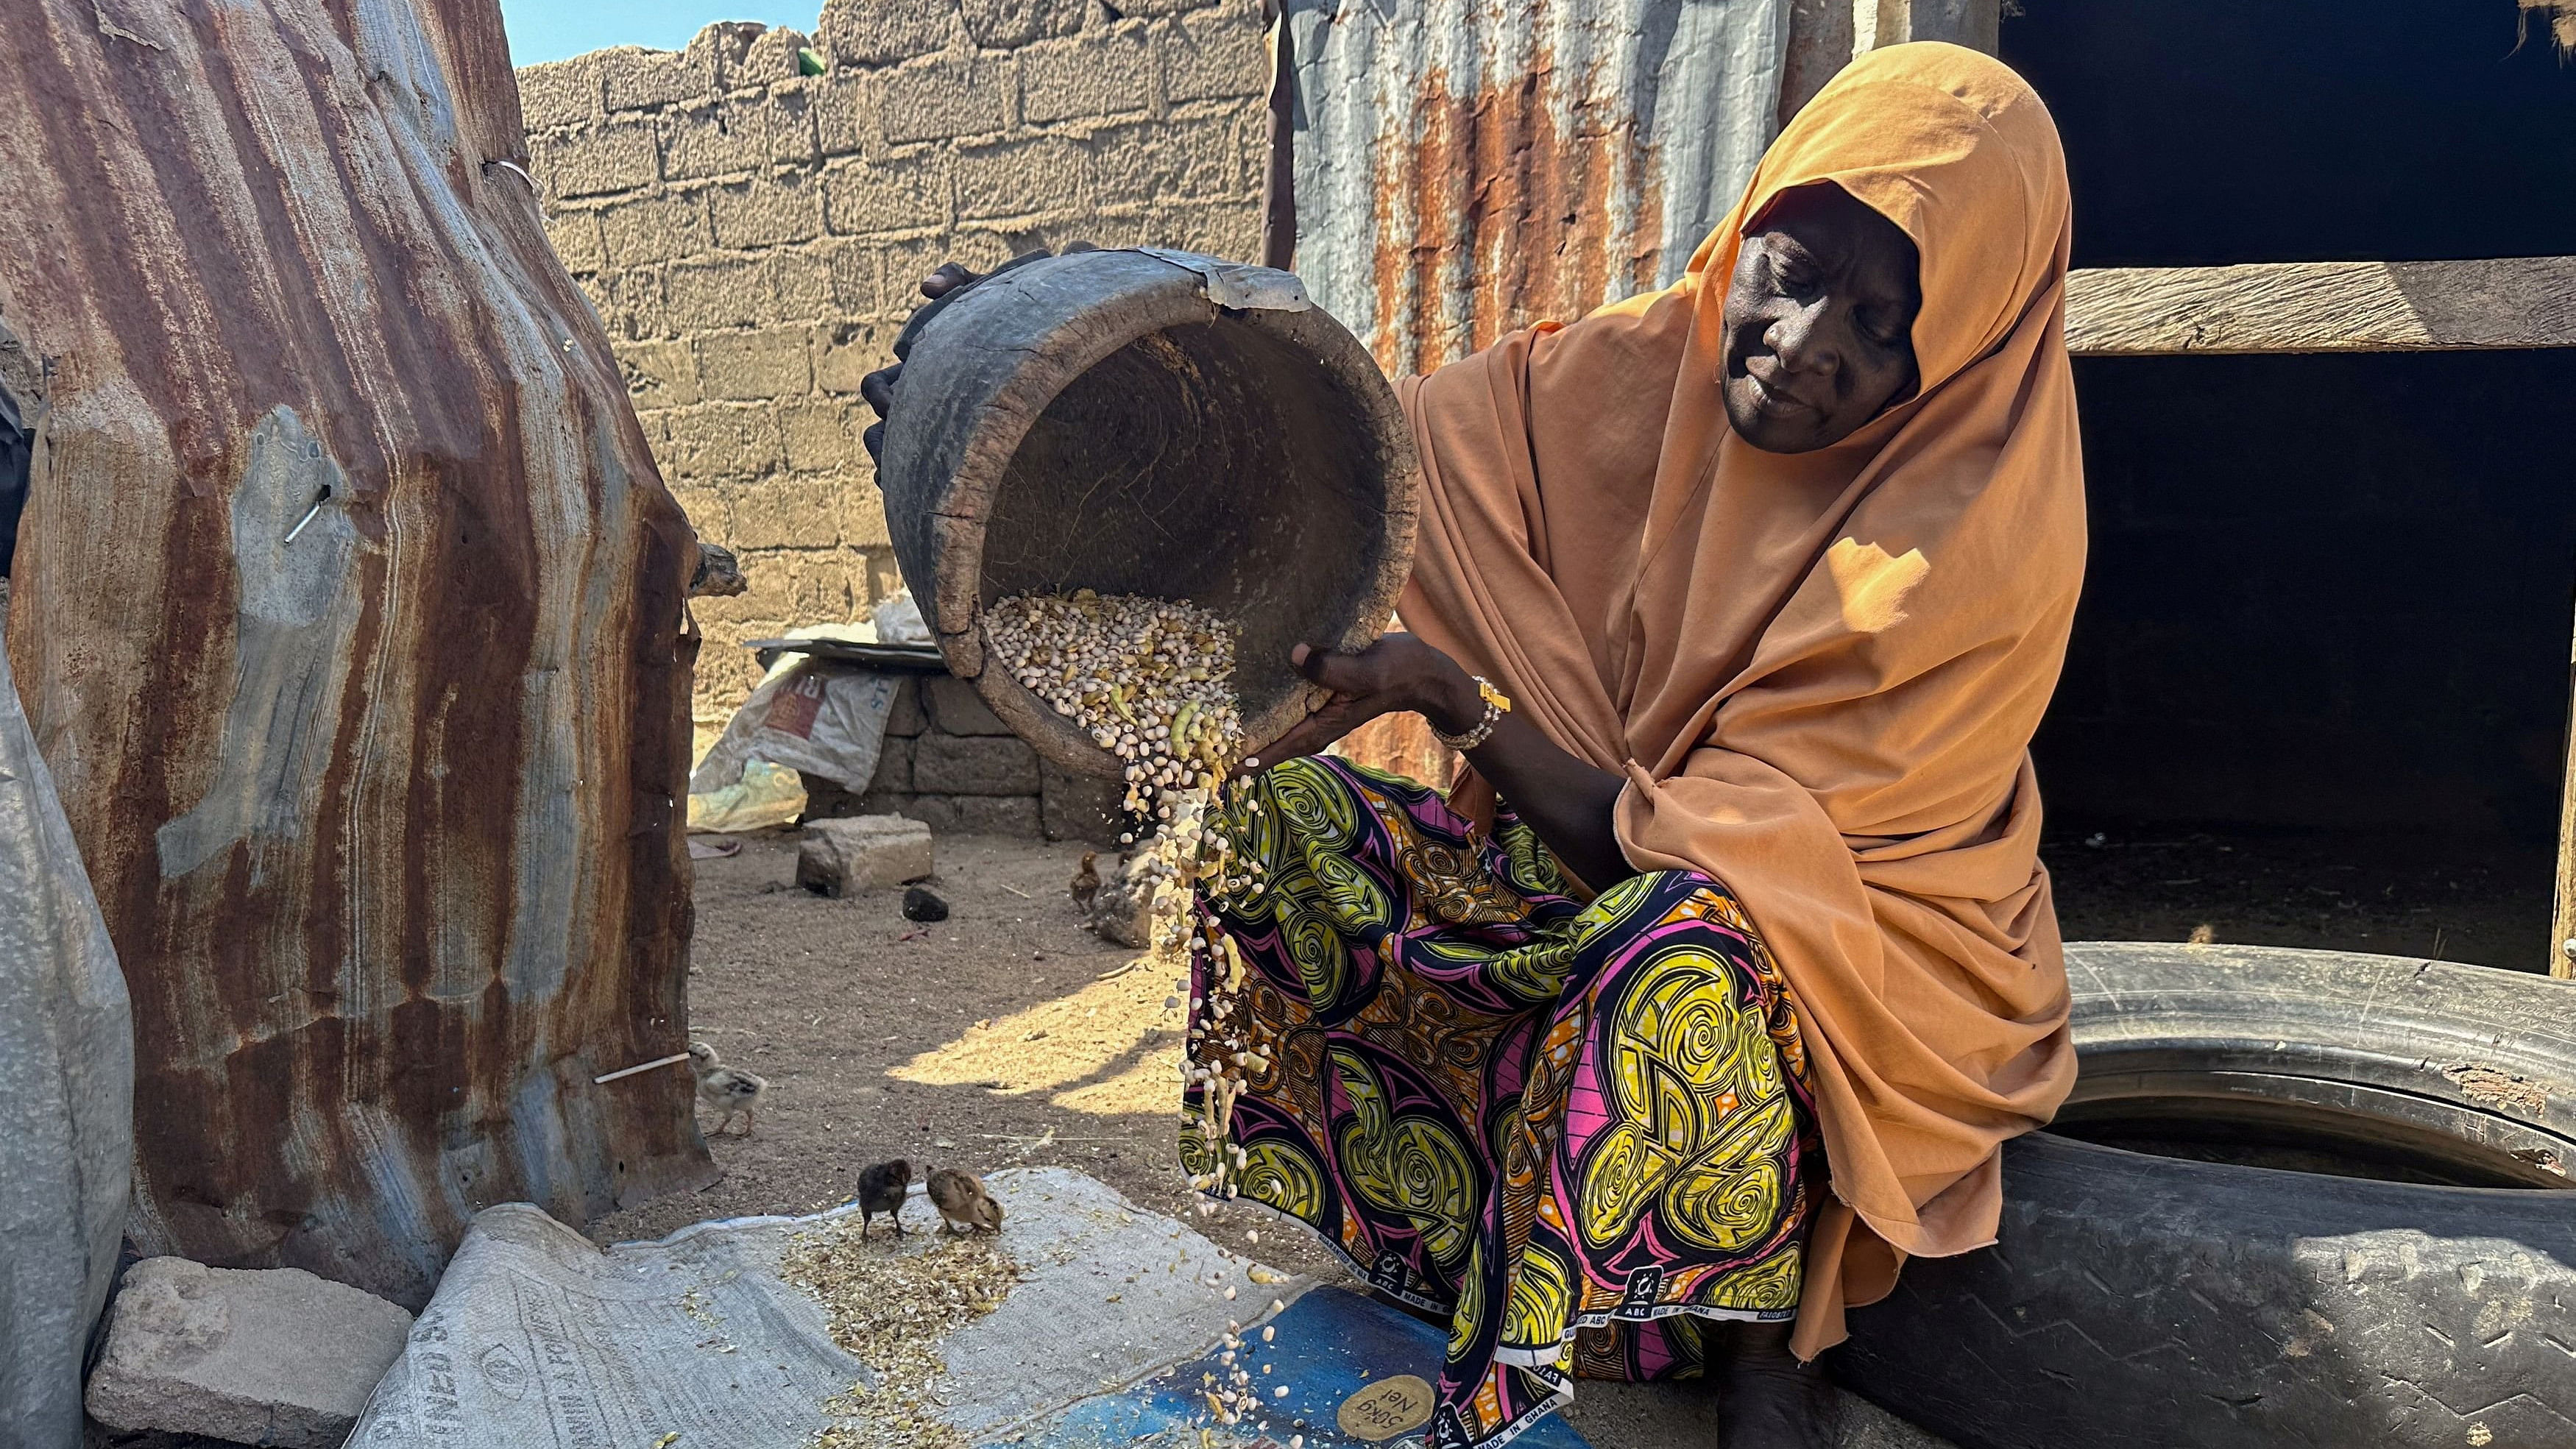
(382, 799)
(1465, 167)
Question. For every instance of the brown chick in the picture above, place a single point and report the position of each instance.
(1086, 881)
(882, 1189)
(729, 1091)
(962, 1202)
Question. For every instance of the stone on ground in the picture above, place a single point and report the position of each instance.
(269, 1356)
(1124, 910)
(862, 853)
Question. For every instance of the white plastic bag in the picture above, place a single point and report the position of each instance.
(766, 796)
(899, 621)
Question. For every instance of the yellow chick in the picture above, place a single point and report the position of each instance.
(729, 1091)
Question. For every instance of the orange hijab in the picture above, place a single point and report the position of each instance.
(1819, 672)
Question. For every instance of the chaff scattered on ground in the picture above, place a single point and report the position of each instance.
(887, 1303)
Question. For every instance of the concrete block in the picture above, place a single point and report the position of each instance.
(896, 802)
(770, 58)
(1199, 158)
(723, 49)
(274, 1356)
(575, 235)
(809, 287)
(1021, 178)
(863, 853)
(721, 292)
(825, 799)
(956, 709)
(976, 765)
(559, 94)
(1219, 229)
(642, 80)
(1079, 807)
(941, 97)
(846, 352)
(632, 303)
(822, 437)
(1103, 73)
(908, 193)
(1215, 56)
(798, 513)
(710, 442)
(863, 510)
(978, 814)
(894, 765)
(881, 32)
(643, 229)
(801, 584)
(769, 362)
(844, 114)
(793, 138)
(618, 156)
(772, 209)
(900, 266)
(908, 717)
(725, 138)
(1002, 24)
(658, 374)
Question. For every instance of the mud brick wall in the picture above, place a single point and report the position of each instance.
(753, 235)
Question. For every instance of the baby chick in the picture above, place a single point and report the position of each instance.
(881, 1190)
(730, 1091)
(962, 1202)
(1086, 881)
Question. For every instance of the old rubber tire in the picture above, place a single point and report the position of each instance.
(2141, 1301)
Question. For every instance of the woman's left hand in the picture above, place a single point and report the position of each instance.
(1396, 674)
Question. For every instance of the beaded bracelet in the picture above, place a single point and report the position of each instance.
(1497, 704)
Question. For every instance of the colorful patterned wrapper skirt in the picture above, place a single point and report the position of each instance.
(1575, 1132)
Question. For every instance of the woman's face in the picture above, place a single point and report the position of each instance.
(1819, 322)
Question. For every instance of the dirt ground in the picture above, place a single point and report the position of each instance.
(2483, 902)
(1007, 1035)
(1010, 1035)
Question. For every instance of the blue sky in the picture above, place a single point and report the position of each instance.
(552, 29)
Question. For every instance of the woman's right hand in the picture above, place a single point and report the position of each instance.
(940, 287)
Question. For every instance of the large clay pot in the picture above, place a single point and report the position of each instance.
(1158, 423)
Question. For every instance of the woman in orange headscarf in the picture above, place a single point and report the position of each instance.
(1712, 993)
(1746, 595)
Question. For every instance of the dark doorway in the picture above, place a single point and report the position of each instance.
(2203, 132)
(2318, 690)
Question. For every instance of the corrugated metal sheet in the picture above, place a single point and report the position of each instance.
(1467, 166)
(349, 616)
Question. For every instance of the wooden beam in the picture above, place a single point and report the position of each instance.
(2322, 307)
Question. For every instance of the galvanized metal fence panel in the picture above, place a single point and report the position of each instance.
(1465, 167)
(349, 618)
